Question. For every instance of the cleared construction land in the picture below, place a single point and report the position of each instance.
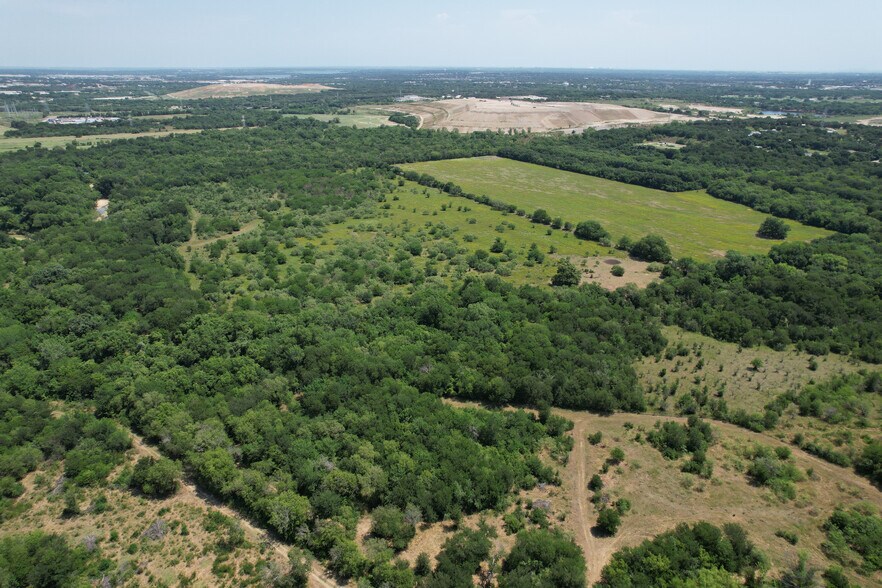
(238, 90)
(478, 114)
(694, 224)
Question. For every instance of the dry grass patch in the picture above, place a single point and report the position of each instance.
(238, 90)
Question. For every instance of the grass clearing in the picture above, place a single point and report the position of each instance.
(712, 363)
(17, 143)
(360, 121)
(694, 224)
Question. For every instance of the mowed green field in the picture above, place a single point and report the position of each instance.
(694, 224)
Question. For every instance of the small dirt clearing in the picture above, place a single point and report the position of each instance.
(237, 90)
(873, 122)
(478, 114)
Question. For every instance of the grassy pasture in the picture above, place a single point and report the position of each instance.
(694, 223)
(16, 143)
(361, 121)
(412, 207)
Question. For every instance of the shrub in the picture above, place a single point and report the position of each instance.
(567, 274)
(773, 228)
(651, 248)
(156, 477)
(618, 271)
(608, 521)
(591, 231)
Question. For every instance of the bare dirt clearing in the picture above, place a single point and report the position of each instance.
(662, 496)
(478, 114)
(873, 122)
(245, 89)
(598, 270)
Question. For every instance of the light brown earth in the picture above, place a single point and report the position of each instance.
(662, 496)
(705, 107)
(237, 90)
(479, 114)
(597, 270)
(175, 556)
(874, 122)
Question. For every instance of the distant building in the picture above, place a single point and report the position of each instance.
(78, 120)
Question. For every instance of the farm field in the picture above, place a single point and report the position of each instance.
(693, 223)
(245, 89)
(16, 143)
(361, 121)
(479, 114)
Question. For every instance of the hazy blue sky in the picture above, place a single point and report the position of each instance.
(805, 35)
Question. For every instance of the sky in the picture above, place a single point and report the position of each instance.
(737, 35)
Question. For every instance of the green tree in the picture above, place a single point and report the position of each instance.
(156, 477)
(651, 248)
(567, 274)
(591, 231)
(773, 228)
(608, 521)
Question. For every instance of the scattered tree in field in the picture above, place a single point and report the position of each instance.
(567, 274)
(773, 228)
(651, 248)
(591, 231)
(618, 271)
(608, 521)
(541, 216)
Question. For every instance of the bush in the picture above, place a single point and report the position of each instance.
(541, 217)
(855, 534)
(618, 271)
(591, 231)
(651, 248)
(608, 521)
(567, 274)
(156, 477)
(773, 228)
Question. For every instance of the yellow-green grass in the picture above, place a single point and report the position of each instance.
(16, 143)
(361, 121)
(694, 223)
(717, 364)
(417, 206)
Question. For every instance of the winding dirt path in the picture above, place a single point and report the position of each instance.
(189, 493)
(599, 550)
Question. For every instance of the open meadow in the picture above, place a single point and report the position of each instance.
(16, 143)
(693, 223)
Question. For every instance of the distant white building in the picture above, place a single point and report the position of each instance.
(78, 120)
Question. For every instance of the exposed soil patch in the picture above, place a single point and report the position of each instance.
(598, 270)
(245, 89)
(478, 114)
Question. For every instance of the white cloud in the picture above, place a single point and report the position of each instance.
(522, 16)
(442, 17)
